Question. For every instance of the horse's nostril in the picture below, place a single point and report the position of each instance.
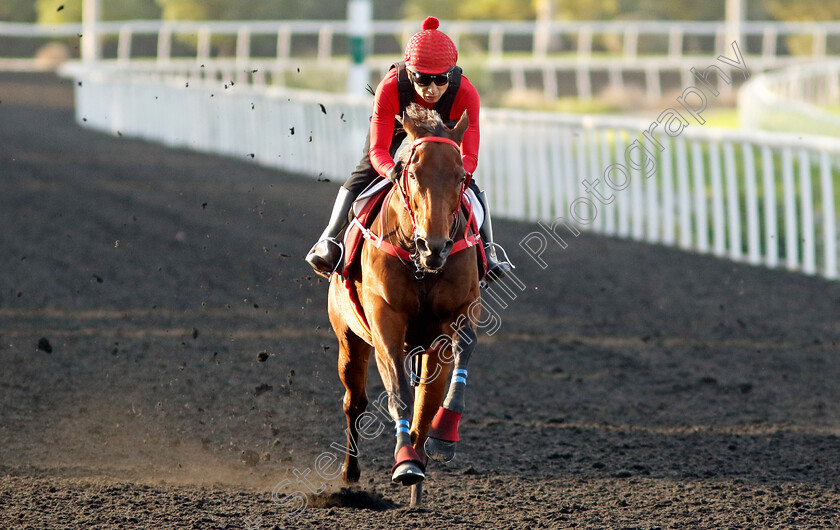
(434, 251)
(423, 246)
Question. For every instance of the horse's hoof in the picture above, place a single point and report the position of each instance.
(350, 475)
(439, 450)
(408, 474)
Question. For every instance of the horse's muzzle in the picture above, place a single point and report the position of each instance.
(432, 254)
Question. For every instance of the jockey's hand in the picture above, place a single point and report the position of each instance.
(396, 172)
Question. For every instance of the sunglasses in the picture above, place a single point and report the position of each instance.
(428, 79)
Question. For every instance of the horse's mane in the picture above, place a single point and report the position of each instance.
(427, 119)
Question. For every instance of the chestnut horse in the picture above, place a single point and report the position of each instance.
(417, 287)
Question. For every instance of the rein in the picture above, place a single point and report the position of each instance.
(402, 254)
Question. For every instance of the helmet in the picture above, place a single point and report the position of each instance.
(431, 51)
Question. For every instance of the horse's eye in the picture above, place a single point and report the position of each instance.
(411, 175)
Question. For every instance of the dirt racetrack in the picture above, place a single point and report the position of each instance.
(628, 386)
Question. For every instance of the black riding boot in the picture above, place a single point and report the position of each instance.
(496, 268)
(326, 254)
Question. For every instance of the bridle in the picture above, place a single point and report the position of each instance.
(401, 186)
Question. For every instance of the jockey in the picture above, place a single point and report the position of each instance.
(429, 77)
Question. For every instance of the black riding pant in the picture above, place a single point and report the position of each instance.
(364, 173)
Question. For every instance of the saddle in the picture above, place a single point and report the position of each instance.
(367, 207)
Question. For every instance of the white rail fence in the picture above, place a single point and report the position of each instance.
(757, 197)
(528, 54)
(629, 39)
(803, 98)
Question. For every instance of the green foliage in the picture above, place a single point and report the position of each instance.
(388, 9)
(271, 9)
(470, 9)
(640, 10)
(802, 10)
(496, 10)
(442, 9)
(681, 10)
(806, 10)
(252, 9)
(569, 9)
(182, 10)
(17, 11)
(587, 9)
(47, 11)
(623, 9)
(60, 11)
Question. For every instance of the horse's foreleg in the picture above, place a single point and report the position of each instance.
(409, 467)
(443, 434)
(353, 358)
(434, 373)
(389, 341)
(432, 385)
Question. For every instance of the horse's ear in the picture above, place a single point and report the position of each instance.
(409, 125)
(460, 128)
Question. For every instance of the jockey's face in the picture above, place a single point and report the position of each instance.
(430, 91)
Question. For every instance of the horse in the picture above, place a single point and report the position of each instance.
(417, 287)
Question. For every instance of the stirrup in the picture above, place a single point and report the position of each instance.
(500, 260)
(338, 262)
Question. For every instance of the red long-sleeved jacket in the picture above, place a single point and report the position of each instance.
(386, 105)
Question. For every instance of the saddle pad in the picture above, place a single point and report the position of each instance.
(475, 204)
(471, 204)
(365, 209)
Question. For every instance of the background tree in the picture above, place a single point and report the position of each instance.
(805, 10)
(640, 9)
(470, 9)
(17, 11)
(252, 9)
(47, 11)
(71, 10)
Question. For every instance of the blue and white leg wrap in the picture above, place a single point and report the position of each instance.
(401, 427)
(460, 376)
